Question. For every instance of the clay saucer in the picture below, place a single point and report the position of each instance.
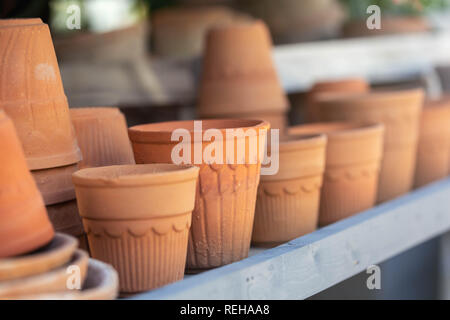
(52, 281)
(52, 256)
(102, 283)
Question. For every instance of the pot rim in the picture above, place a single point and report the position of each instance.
(134, 175)
(339, 129)
(302, 142)
(141, 133)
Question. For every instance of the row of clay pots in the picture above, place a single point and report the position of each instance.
(239, 79)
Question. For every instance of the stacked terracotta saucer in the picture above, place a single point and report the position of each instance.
(33, 97)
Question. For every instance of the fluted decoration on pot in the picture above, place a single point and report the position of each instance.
(287, 206)
(226, 193)
(399, 111)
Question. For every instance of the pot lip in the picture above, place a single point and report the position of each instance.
(325, 84)
(236, 27)
(93, 112)
(134, 175)
(302, 141)
(338, 130)
(24, 27)
(327, 99)
(141, 133)
(20, 22)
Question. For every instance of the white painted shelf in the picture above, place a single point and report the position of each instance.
(317, 261)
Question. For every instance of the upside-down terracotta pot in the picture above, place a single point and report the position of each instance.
(353, 161)
(33, 97)
(399, 111)
(137, 218)
(433, 154)
(222, 220)
(287, 205)
(24, 225)
(102, 135)
(55, 184)
(352, 85)
(238, 77)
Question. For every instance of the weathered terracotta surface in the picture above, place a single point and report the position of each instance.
(352, 85)
(239, 77)
(55, 184)
(287, 206)
(353, 161)
(32, 95)
(399, 111)
(55, 254)
(102, 136)
(53, 281)
(24, 225)
(101, 283)
(433, 155)
(134, 223)
(66, 219)
(222, 220)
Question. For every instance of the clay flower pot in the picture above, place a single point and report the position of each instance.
(222, 220)
(33, 97)
(52, 281)
(134, 223)
(434, 143)
(24, 225)
(57, 253)
(354, 85)
(66, 219)
(55, 184)
(238, 76)
(102, 136)
(287, 206)
(399, 111)
(353, 161)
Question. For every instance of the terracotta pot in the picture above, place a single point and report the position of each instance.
(133, 222)
(354, 85)
(55, 254)
(287, 206)
(102, 136)
(434, 143)
(55, 184)
(101, 283)
(353, 161)
(34, 96)
(20, 21)
(52, 281)
(399, 111)
(238, 75)
(24, 225)
(222, 220)
(66, 219)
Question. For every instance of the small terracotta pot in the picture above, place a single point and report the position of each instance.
(102, 136)
(399, 111)
(354, 85)
(33, 97)
(222, 220)
(434, 143)
(58, 252)
(53, 281)
(133, 222)
(24, 225)
(238, 75)
(55, 184)
(353, 160)
(287, 206)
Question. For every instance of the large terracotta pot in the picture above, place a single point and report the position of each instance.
(102, 135)
(33, 96)
(287, 206)
(353, 85)
(399, 111)
(24, 225)
(353, 161)
(238, 76)
(433, 155)
(137, 218)
(226, 193)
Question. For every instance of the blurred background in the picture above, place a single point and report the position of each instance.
(145, 57)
